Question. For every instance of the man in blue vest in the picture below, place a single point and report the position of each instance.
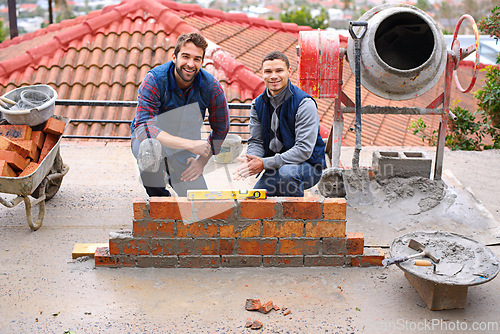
(284, 141)
(172, 102)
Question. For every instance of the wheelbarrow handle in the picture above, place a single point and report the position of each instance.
(358, 24)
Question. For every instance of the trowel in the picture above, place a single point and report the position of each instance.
(441, 269)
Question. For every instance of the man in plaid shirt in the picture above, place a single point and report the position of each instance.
(173, 99)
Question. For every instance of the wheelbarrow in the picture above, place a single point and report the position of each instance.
(42, 184)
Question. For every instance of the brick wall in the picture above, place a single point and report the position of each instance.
(177, 232)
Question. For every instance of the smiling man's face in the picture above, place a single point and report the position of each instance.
(187, 64)
(275, 74)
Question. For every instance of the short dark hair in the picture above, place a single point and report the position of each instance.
(276, 55)
(194, 37)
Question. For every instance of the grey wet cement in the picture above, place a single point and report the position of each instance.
(43, 290)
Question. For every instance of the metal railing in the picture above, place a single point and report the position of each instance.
(133, 104)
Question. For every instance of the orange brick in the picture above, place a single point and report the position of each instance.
(196, 230)
(15, 161)
(165, 229)
(16, 131)
(301, 208)
(212, 209)
(38, 137)
(372, 257)
(245, 230)
(139, 205)
(54, 127)
(48, 144)
(258, 209)
(6, 170)
(176, 208)
(334, 208)
(325, 228)
(9, 145)
(228, 231)
(355, 243)
(282, 229)
(113, 247)
(299, 246)
(32, 166)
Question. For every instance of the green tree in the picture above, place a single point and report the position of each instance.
(3, 31)
(302, 17)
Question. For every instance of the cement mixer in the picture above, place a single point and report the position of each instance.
(403, 56)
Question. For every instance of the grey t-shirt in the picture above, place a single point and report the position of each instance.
(306, 132)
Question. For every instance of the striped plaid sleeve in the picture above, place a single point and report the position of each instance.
(218, 117)
(147, 109)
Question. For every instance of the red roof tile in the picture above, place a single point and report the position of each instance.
(105, 55)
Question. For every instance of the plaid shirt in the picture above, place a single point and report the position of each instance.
(149, 103)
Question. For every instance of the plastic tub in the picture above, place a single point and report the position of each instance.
(26, 99)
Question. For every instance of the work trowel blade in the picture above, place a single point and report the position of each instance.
(448, 269)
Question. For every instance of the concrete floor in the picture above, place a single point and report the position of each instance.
(42, 290)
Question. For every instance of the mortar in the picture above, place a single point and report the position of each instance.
(443, 292)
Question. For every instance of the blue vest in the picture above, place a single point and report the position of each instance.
(287, 123)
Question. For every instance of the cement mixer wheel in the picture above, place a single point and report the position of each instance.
(455, 46)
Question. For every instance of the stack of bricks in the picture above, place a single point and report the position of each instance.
(23, 148)
(275, 232)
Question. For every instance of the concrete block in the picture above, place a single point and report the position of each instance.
(390, 164)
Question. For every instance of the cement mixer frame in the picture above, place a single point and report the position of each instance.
(320, 73)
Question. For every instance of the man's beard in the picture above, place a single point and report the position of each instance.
(178, 69)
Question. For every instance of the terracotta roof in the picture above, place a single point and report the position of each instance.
(105, 55)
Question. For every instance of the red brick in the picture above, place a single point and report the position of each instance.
(157, 261)
(334, 246)
(175, 208)
(282, 229)
(258, 209)
(102, 258)
(200, 261)
(325, 229)
(144, 228)
(299, 246)
(323, 260)
(212, 209)
(196, 230)
(54, 126)
(301, 208)
(241, 260)
(355, 261)
(131, 248)
(283, 261)
(372, 257)
(269, 246)
(206, 247)
(113, 247)
(38, 137)
(32, 166)
(185, 246)
(16, 131)
(355, 243)
(155, 248)
(15, 161)
(48, 144)
(226, 246)
(334, 208)
(9, 145)
(165, 229)
(139, 207)
(30, 146)
(248, 247)
(6, 170)
(244, 230)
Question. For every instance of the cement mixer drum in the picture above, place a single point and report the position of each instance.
(403, 52)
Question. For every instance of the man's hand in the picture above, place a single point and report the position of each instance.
(200, 147)
(250, 165)
(194, 170)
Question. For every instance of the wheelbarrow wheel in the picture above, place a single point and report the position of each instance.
(52, 186)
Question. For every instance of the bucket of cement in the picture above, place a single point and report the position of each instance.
(230, 149)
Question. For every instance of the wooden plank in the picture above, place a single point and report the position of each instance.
(86, 249)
